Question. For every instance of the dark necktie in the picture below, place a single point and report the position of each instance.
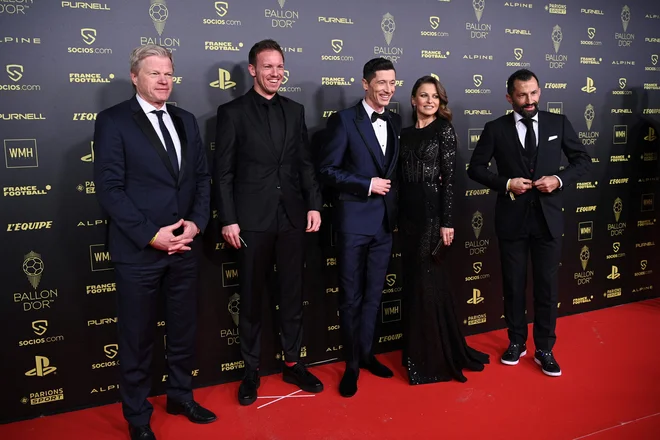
(530, 140)
(169, 144)
(375, 116)
(275, 125)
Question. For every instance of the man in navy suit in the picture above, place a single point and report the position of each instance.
(359, 162)
(152, 180)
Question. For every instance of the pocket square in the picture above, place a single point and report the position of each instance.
(552, 138)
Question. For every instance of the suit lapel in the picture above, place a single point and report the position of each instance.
(183, 139)
(145, 125)
(366, 130)
(288, 120)
(392, 129)
(253, 114)
(543, 155)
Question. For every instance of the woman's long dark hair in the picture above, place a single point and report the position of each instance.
(443, 109)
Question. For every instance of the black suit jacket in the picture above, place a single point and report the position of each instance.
(136, 184)
(499, 139)
(250, 177)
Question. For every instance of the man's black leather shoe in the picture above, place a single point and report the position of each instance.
(300, 376)
(348, 384)
(513, 354)
(547, 362)
(247, 391)
(376, 368)
(195, 412)
(142, 432)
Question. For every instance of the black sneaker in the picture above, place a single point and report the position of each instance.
(547, 362)
(247, 391)
(513, 354)
(298, 375)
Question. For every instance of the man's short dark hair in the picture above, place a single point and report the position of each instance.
(519, 75)
(374, 65)
(262, 46)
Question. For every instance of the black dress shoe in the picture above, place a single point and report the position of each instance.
(142, 432)
(547, 362)
(513, 354)
(247, 391)
(376, 368)
(195, 412)
(348, 384)
(300, 376)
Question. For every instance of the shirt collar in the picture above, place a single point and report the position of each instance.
(148, 108)
(368, 108)
(517, 117)
(260, 100)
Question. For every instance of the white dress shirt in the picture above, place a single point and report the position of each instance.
(380, 128)
(521, 128)
(167, 119)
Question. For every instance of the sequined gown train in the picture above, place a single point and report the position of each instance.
(434, 346)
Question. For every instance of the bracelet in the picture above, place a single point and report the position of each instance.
(153, 239)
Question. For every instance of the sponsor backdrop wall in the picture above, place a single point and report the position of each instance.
(63, 61)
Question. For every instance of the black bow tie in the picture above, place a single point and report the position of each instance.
(376, 115)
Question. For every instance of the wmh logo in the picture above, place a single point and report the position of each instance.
(620, 135)
(391, 311)
(21, 153)
(230, 275)
(99, 258)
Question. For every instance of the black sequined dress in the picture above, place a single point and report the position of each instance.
(434, 346)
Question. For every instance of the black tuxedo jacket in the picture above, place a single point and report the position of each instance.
(499, 139)
(250, 176)
(136, 184)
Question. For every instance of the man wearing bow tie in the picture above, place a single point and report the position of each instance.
(527, 146)
(358, 161)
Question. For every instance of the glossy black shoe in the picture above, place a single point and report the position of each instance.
(142, 432)
(547, 362)
(348, 384)
(195, 412)
(376, 368)
(513, 354)
(301, 377)
(247, 392)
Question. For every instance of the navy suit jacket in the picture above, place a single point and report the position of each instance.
(348, 160)
(136, 184)
(499, 140)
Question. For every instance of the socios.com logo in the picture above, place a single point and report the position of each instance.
(15, 72)
(337, 45)
(224, 81)
(88, 35)
(221, 8)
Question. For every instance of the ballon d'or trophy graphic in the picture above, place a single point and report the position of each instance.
(478, 6)
(477, 223)
(584, 257)
(557, 36)
(388, 27)
(589, 115)
(617, 208)
(625, 17)
(33, 267)
(234, 306)
(158, 13)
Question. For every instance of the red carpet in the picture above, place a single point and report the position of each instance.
(610, 389)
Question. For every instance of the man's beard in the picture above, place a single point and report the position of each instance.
(527, 114)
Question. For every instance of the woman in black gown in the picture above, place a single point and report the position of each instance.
(434, 346)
